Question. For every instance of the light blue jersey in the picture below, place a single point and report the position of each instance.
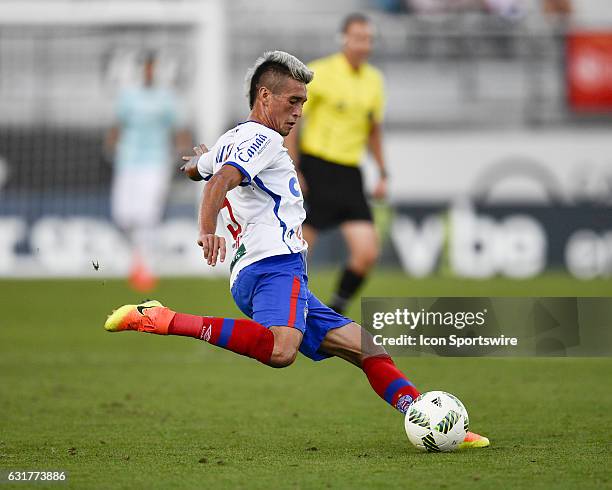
(147, 116)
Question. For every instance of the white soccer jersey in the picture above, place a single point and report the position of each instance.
(264, 214)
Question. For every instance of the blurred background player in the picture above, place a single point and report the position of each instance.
(144, 140)
(343, 116)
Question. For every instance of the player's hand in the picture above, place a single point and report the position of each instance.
(213, 247)
(190, 168)
(380, 190)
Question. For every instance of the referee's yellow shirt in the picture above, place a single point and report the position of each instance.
(342, 105)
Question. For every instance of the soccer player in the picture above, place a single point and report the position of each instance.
(343, 116)
(143, 143)
(252, 183)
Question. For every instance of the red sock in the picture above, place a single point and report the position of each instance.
(242, 336)
(389, 382)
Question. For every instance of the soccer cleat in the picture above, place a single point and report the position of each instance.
(473, 440)
(148, 316)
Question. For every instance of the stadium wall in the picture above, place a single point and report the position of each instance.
(475, 204)
(515, 204)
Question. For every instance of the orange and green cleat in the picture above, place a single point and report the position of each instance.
(148, 316)
(473, 440)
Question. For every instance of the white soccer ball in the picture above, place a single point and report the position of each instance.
(436, 422)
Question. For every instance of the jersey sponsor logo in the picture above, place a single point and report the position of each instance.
(293, 187)
(251, 147)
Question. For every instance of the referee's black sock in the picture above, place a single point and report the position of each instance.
(349, 283)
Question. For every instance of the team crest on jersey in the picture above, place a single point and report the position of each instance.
(251, 147)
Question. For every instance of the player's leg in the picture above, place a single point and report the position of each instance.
(149, 209)
(329, 333)
(356, 345)
(319, 203)
(276, 346)
(272, 292)
(120, 203)
(357, 227)
(149, 201)
(362, 242)
(287, 342)
(130, 214)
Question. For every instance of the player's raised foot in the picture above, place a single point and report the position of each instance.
(473, 440)
(149, 316)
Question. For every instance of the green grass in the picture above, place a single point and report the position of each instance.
(140, 411)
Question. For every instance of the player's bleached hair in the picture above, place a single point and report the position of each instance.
(277, 62)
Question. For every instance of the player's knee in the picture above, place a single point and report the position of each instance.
(366, 259)
(283, 357)
(369, 348)
(371, 257)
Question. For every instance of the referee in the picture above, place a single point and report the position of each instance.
(342, 117)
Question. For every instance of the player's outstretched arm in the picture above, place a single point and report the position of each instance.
(213, 199)
(190, 168)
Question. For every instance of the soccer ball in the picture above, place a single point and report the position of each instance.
(436, 422)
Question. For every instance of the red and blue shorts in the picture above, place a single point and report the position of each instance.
(274, 292)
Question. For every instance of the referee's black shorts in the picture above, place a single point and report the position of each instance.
(334, 195)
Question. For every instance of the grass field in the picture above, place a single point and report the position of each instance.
(141, 411)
